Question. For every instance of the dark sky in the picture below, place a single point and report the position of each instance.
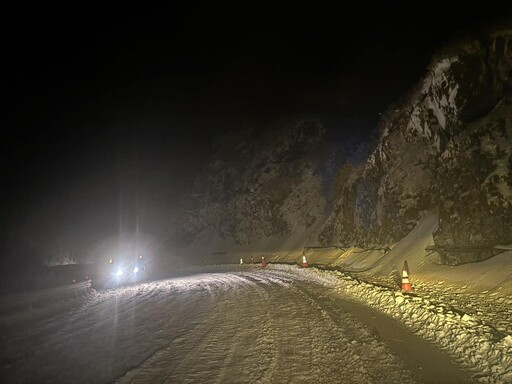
(111, 108)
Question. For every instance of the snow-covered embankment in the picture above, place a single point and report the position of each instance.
(36, 305)
(475, 345)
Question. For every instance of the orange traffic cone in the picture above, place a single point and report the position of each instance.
(263, 262)
(304, 262)
(406, 284)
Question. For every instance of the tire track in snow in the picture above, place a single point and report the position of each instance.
(303, 347)
(199, 339)
(240, 326)
(370, 359)
(222, 347)
(100, 343)
(107, 316)
(295, 339)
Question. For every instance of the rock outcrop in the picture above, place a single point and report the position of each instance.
(445, 147)
(260, 185)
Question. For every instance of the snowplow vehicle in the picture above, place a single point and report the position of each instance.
(122, 271)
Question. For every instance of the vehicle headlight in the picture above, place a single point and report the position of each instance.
(119, 272)
(136, 269)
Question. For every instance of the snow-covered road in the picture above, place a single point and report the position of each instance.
(224, 325)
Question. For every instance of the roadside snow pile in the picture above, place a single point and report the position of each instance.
(492, 307)
(476, 346)
(17, 309)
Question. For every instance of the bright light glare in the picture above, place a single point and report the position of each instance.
(136, 269)
(119, 273)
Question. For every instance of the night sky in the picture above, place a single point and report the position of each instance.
(108, 112)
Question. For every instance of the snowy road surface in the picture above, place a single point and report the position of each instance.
(226, 325)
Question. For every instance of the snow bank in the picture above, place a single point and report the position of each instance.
(493, 273)
(477, 346)
(16, 309)
(465, 309)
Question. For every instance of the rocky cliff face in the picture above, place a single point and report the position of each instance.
(445, 147)
(261, 185)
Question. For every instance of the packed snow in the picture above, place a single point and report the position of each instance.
(466, 310)
(246, 324)
(243, 325)
(479, 347)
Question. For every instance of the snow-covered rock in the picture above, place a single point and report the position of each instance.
(470, 342)
(445, 147)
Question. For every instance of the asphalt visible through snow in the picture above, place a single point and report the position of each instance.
(225, 324)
